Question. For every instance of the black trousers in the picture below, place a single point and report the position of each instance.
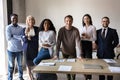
(87, 52)
(86, 48)
(102, 77)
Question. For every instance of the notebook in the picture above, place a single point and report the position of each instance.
(92, 66)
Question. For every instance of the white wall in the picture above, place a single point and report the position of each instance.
(3, 23)
(56, 10)
(19, 8)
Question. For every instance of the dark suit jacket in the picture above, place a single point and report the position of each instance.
(30, 47)
(106, 46)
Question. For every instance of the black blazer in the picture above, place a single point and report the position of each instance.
(30, 47)
(106, 46)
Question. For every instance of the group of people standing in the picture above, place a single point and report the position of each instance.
(39, 43)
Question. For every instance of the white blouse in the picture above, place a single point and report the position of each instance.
(48, 37)
(90, 31)
(31, 32)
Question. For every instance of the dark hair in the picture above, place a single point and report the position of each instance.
(106, 18)
(89, 18)
(13, 15)
(41, 28)
(68, 16)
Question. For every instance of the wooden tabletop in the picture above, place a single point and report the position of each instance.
(77, 67)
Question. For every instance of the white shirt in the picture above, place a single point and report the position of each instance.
(90, 31)
(48, 37)
(31, 32)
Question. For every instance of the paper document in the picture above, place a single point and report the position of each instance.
(109, 61)
(60, 60)
(64, 68)
(114, 69)
(46, 64)
(70, 60)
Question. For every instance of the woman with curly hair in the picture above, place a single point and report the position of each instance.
(47, 41)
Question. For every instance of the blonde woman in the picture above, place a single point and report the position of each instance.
(30, 43)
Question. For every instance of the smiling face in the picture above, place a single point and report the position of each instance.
(68, 22)
(14, 19)
(30, 21)
(46, 25)
(105, 22)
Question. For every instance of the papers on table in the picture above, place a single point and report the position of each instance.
(64, 68)
(92, 66)
(46, 64)
(113, 66)
(60, 60)
(114, 69)
(70, 60)
(109, 61)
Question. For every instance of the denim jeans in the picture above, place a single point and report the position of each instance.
(43, 54)
(11, 62)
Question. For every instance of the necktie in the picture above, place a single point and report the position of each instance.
(103, 33)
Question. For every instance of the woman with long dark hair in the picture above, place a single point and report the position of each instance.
(47, 41)
(88, 37)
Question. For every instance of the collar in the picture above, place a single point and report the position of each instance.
(104, 28)
(14, 25)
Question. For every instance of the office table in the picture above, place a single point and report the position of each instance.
(77, 67)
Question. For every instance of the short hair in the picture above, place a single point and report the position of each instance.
(69, 16)
(13, 15)
(106, 18)
(88, 17)
(28, 17)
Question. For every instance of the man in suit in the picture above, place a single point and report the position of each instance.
(107, 40)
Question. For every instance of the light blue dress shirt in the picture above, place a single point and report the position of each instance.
(13, 36)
